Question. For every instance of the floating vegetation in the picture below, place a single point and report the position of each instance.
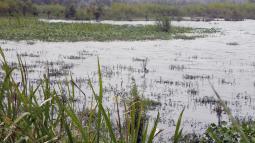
(194, 77)
(86, 53)
(67, 66)
(206, 100)
(187, 37)
(177, 67)
(232, 43)
(72, 57)
(224, 81)
(33, 29)
(29, 55)
(58, 72)
(192, 91)
(131, 69)
(50, 63)
(175, 83)
(208, 30)
(30, 42)
(139, 59)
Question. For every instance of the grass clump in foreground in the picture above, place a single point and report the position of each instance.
(233, 132)
(42, 113)
(33, 29)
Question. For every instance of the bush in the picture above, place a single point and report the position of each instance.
(164, 24)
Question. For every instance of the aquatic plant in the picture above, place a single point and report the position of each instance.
(164, 24)
(233, 133)
(34, 29)
(230, 132)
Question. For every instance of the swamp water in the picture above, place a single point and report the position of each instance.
(175, 73)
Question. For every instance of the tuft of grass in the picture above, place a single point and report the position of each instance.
(235, 123)
(235, 132)
(178, 131)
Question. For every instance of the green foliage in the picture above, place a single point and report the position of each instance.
(234, 122)
(4, 7)
(164, 24)
(178, 131)
(17, 7)
(128, 11)
(120, 11)
(145, 11)
(83, 14)
(228, 133)
(228, 11)
(51, 10)
(32, 29)
(233, 132)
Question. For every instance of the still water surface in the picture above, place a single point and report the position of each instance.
(177, 71)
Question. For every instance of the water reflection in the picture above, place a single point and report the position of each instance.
(174, 72)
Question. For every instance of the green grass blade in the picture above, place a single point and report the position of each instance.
(100, 98)
(69, 134)
(153, 131)
(108, 123)
(76, 122)
(177, 133)
(145, 133)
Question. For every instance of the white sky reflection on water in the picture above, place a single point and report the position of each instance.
(178, 70)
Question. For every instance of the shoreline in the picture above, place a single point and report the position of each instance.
(34, 29)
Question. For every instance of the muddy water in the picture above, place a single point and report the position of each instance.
(177, 72)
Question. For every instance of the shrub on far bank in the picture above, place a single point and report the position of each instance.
(164, 24)
(83, 14)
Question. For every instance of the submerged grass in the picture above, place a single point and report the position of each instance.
(33, 29)
(41, 113)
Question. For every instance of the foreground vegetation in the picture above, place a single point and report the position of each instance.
(49, 113)
(33, 29)
(127, 11)
(232, 131)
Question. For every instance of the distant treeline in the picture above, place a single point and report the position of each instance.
(228, 11)
(123, 11)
